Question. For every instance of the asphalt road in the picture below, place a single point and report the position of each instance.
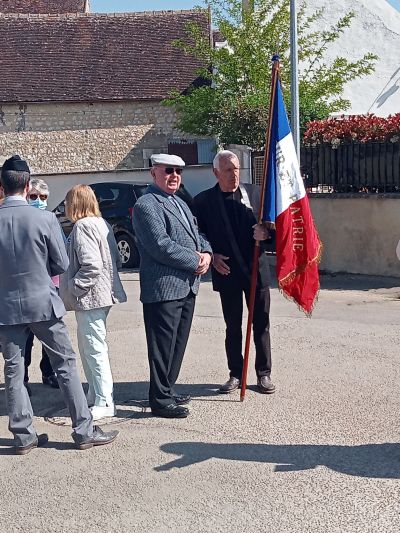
(321, 455)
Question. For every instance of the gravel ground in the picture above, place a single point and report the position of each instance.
(321, 455)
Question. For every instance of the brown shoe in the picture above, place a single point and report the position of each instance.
(40, 440)
(265, 385)
(231, 385)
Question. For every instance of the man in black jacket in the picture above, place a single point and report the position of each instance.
(226, 215)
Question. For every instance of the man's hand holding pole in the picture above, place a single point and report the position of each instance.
(260, 232)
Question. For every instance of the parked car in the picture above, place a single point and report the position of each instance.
(116, 202)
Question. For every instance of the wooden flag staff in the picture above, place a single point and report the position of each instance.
(256, 254)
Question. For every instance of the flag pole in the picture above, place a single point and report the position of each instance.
(256, 253)
(294, 86)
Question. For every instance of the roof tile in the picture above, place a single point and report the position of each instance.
(92, 57)
(42, 6)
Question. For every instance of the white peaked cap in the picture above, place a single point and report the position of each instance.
(167, 160)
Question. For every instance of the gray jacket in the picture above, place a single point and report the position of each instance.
(167, 246)
(31, 251)
(92, 280)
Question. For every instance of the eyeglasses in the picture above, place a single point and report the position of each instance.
(43, 197)
(171, 170)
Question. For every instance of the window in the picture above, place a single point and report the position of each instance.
(105, 191)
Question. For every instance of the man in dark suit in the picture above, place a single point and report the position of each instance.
(31, 251)
(226, 214)
(172, 258)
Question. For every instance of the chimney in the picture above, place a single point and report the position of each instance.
(247, 6)
(87, 6)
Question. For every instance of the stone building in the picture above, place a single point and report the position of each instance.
(82, 91)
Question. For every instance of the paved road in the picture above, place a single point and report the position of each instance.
(321, 455)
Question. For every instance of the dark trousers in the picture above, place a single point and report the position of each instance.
(45, 365)
(232, 308)
(167, 327)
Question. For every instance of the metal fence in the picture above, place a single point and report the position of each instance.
(257, 166)
(349, 168)
(354, 167)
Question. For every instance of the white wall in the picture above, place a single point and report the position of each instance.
(376, 29)
(359, 233)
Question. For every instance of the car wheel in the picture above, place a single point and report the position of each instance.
(127, 250)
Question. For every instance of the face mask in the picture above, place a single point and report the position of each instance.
(41, 204)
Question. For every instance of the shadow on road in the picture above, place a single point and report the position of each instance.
(343, 281)
(138, 391)
(329, 281)
(369, 460)
(7, 446)
(46, 400)
(355, 282)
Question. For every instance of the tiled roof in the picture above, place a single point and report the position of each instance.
(42, 6)
(92, 57)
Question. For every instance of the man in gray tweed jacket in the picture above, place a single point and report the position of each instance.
(173, 257)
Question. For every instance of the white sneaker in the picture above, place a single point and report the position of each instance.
(99, 412)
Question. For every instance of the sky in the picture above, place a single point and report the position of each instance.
(113, 6)
(395, 3)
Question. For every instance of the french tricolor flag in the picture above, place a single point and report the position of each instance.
(298, 247)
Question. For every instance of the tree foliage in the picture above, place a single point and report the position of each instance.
(234, 104)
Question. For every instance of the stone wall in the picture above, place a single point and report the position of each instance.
(85, 137)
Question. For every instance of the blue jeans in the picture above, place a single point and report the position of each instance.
(93, 348)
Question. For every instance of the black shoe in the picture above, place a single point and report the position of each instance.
(100, 438)
(171, 411)
(231, 385)
(265, 385)
(40, 440)
(51, 381)
(28, 389)
(182, 400)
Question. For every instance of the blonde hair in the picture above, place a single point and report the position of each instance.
(81, 202)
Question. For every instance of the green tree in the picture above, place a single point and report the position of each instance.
(234, 104)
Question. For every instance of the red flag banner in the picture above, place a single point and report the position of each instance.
(298, 247)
